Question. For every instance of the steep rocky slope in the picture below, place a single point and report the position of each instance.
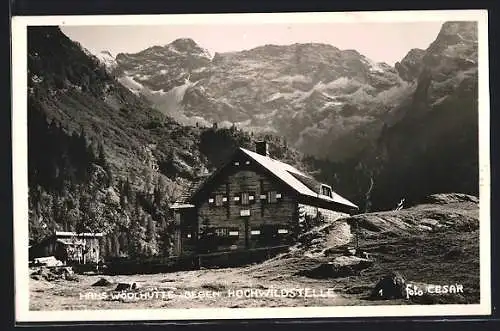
(429, 143)
(434, 145)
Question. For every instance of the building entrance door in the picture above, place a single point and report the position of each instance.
(246, 227)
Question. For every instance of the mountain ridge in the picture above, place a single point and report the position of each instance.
(244, 87)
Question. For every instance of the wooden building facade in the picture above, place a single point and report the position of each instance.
(69, 247)
(252, 202)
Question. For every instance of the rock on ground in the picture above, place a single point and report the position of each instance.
(102, 282)
(54, 273)
(341, 266)
(49, 261)
(391, 286)
(126, 286)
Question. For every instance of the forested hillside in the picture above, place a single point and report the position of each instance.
(101, 159)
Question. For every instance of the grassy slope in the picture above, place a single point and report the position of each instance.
(444, 255)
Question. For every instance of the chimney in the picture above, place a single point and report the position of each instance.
(261, 148)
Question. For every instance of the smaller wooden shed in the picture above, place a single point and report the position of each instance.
(69, 247)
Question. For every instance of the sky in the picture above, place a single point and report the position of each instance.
(379, 41)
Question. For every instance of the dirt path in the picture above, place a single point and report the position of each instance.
(191, 289)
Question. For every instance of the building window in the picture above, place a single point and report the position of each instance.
(236, 198)
(245, 198)
(214, 237)
(222, 232)
(247, 162)
(219, 200)
(255, 232)
(236, 163)
(245, 212)
(271, 197)
(282, 231)
(326, 190)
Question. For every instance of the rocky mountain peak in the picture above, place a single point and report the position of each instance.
(410, 66)
(188, 46)
(461, 29)
(457, 40)
(106, 58)
(186, 43)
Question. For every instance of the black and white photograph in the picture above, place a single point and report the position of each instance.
(230, 166)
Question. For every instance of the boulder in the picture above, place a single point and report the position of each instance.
(44, 273)
(63, 271)
(341, 266)
(102, 282)
(54, 273)
(391, 286)
(72, 277)
(338, 234)
(49, 261)
(126, 286)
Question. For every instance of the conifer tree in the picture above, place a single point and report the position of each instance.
(102, 161)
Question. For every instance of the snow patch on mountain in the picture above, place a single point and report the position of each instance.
(130, 83)
(293, 79)
(108, 59)
(372, 66)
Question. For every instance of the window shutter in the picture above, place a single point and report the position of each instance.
(271, 197)
(218, 200)
(222, 232)
(245, 198)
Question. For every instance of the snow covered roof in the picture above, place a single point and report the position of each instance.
(180, 205)
(74, 234)
(68, 241)
(286, 173)
(299, 181)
